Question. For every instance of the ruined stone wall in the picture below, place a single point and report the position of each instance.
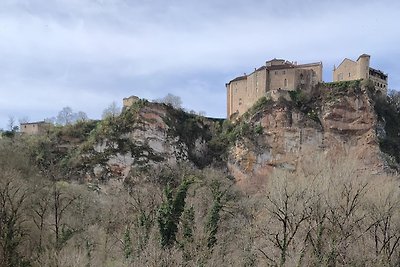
(34, 128)
(129, 101)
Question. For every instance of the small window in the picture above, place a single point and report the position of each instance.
(285, 83)
(276, 72)
(349, 74)
(284, 72)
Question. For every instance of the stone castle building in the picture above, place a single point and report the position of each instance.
(279, 76)
(276, 75)
(33, 128)
(129, 101)
(360, 69)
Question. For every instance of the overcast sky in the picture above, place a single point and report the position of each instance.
(88, 53)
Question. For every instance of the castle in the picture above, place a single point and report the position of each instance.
(275, 75)
(279, 76)
(354, 70)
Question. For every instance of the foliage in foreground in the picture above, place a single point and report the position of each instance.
(325, 214)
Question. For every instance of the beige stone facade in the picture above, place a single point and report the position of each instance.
(350, 70)
(33, 128)
(276, 75)
(129, 101)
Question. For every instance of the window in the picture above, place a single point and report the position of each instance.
(349, 74)
(284, 72)
(285, 83)
(276, 72)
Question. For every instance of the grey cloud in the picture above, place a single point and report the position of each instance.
(104, 50)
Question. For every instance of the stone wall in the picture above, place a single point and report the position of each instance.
(350, 70)
(34, 127)
(244, 91)
(129, 101)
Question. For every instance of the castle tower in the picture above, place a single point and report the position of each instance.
(363, 66)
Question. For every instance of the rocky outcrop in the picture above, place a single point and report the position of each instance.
(145, 136)
(334, 122)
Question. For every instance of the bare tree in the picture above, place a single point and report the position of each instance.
(11, 124)
(170, 99)
(40, 208)
(65, 116)
(13, 197)
(384, 229)
(113, 110)
(289, 207)
(80, 116)
(61, 202)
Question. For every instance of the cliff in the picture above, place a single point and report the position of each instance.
(335, 120)
(145, 137)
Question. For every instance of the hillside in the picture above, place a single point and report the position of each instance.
(337, 119)
(308, 179)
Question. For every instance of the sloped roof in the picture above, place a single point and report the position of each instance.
(244, 77)
(345, 60)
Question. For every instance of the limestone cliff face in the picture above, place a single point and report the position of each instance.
(145, 137)
(335, 122)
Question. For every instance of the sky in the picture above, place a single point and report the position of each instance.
(86, 54)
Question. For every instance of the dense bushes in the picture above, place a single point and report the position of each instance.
(326, 213)
(387, 109)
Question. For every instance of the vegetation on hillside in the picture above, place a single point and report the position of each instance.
(388, 111)
(326, 213)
